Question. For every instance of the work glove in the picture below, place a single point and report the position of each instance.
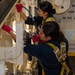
(37, 39)
(19, 7)
(6, 28)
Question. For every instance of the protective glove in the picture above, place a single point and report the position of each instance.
(37, 39)
(19, 7)
(6, 28)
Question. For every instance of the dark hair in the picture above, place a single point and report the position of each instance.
(46, 6)
(52, 29)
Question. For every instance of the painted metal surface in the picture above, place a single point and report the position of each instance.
(5, 9)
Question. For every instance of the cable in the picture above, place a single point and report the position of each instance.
(30, 14)
(32, 18)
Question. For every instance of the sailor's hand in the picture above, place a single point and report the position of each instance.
(6, 28)
(19, 7)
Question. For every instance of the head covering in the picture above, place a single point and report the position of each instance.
(61, 6)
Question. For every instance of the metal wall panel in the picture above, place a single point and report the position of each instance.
(5, 6)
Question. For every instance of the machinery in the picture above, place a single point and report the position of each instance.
(10, 54)
(65, 17)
